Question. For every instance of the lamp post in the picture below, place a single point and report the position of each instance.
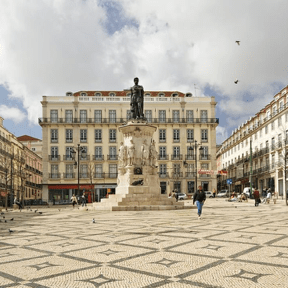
(195, 146)
(83, 152)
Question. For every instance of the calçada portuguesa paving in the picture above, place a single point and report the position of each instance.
(233, 245)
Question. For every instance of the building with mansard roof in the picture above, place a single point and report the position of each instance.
(262, 142)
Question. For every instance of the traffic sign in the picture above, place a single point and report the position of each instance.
(229, 181)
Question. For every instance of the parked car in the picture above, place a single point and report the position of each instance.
(223, 193)
(209, 194)
(246, 191)
(182, 196)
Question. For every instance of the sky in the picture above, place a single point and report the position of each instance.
(49, 47)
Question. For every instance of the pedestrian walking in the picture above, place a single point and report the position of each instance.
(74, 200)
(83, 200)
(18, 203)
(199, 198)
(256, 195)
(214, 192)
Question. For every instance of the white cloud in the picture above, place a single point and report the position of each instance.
(175, 45)
(12, 113)
(221, 133)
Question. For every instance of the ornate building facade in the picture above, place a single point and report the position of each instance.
(88, 122)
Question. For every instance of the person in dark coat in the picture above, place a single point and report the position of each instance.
(199, 198)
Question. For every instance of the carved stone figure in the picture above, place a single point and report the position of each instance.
(153, 154)
(137, 182)
(137, 98)
(145, 153)
(131, 153)
(122, 155)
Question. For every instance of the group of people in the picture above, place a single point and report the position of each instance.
(75, 201)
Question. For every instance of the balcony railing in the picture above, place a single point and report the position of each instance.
(99, 175)
(54, 175)
(190, 174)
(68, 175)
(204, 157)
(163, 157)
(176, 157)
(67, 158)
(98, 157)
(112, 157)
(189, 157)
(122, 120)
(54, 157)
(163, 174)
(176, 175)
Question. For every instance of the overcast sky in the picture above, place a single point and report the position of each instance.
(50, 47)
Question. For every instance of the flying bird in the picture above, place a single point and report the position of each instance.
(40, 212)
(10, 230)
(236, 81)
(238, 42)
(11, 219)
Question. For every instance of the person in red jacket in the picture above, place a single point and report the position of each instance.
(256, 195)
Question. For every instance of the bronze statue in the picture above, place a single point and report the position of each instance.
(136, 103)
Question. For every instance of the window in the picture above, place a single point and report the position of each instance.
(112, 170)
(204, 116)
(266, 129)
(69, 135)
(148, 115)
(54, 135)
(162, 170)
(162, 153)
(204, 153)
(112, 135)
(190, 135)
(279, 121)
(98, 135)
(176, 153)
(83, 94)
(98, 153)
(255, 135)
(112, 116)
(54, 116)
(190, 153)
(98, 116)
(54, 153)
(162, 135)
(69, 171)
(98, 170)
(163, 187)
(83, 171)
(162, 116)
(83, 135)
(260, 132)
(176, 116)
(272, 125)
(273, 143)
(189, 116)
(128, 114)
(54, 171)
(176, 170)
(68, 116)
(69, 153)
(280, 138)
(176, 135)
(204, 135)
(112, 153)
(83, 116)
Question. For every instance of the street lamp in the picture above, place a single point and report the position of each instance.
(195, 146)
(83, 152)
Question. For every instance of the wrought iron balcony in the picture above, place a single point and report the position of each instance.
(112, 157)
(98, 157)
(176, 157)
(68, 175)
(163, 157)
(54, 175)
(54, 157)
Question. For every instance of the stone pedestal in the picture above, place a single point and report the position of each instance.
(138, 185)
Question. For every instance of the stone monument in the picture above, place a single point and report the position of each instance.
(138, 185)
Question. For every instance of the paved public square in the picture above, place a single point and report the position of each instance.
(233, 245)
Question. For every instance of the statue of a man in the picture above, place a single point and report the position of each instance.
(122, 155)
(131, 153)
(137, 97)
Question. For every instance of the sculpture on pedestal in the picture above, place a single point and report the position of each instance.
(153, 154)
(122, 155)
(131, 153)
(145, 153)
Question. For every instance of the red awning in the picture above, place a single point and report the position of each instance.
(69, 186)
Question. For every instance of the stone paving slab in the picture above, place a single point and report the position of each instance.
(233, 245)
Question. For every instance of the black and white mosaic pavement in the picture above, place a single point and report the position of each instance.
(233, 245)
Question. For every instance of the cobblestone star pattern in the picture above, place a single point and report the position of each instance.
(239, 248)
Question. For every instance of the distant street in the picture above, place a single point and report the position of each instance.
(233, 245)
